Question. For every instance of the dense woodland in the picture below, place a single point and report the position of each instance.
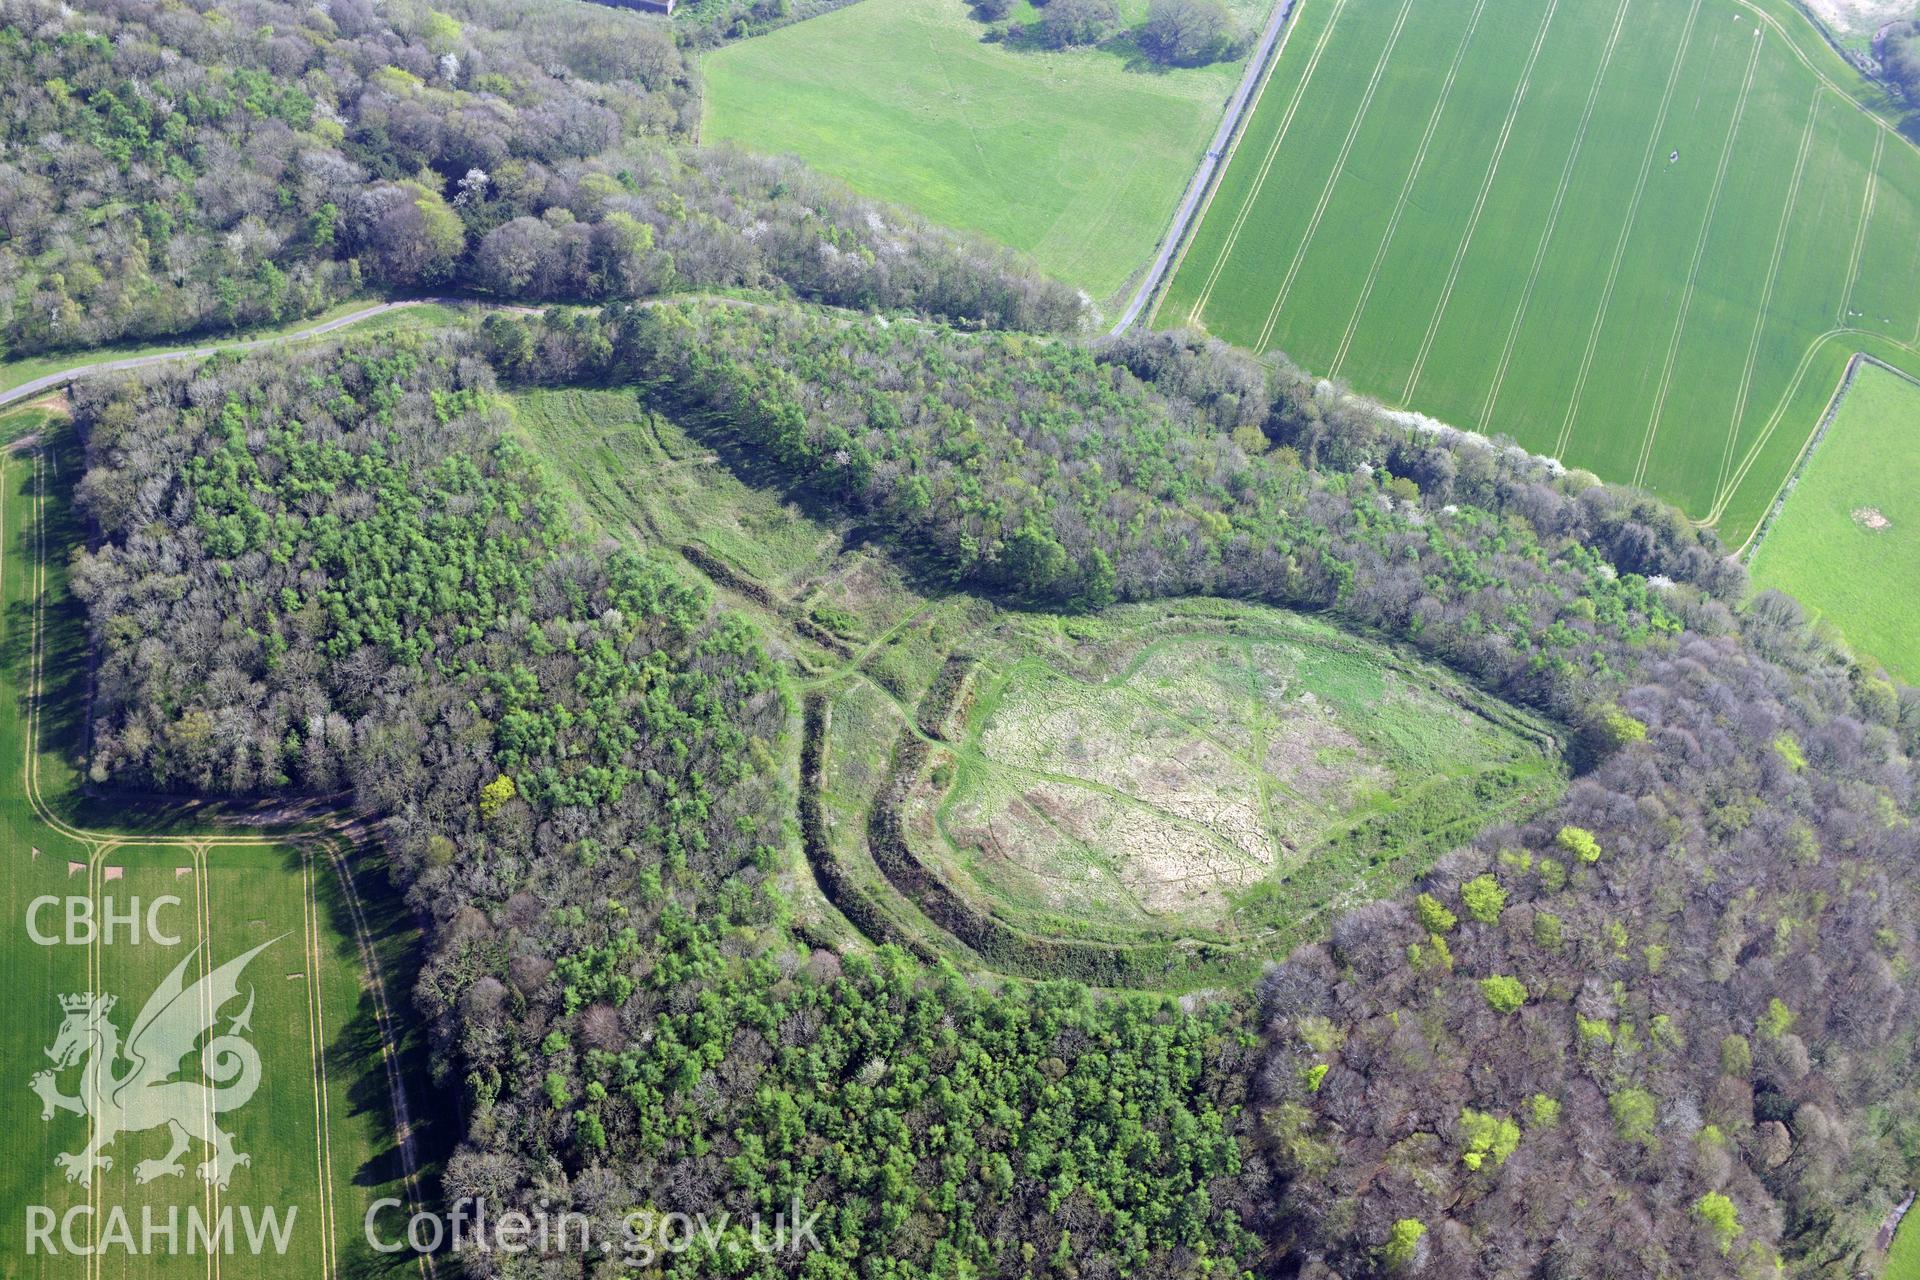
(1692, 981)
(1668, 1028)
(1055, 474)
(333, 569)
(1691, 985)
(1175, 33)
(1899, 49)
(166, 169)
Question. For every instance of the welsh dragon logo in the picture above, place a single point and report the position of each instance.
(143, 1094)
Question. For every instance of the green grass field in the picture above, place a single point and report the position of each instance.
(318, 1133)
(1640, 235)
(1076, 157)
(1903, 1260)
(1847, 540)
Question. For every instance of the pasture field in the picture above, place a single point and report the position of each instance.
(1643, 236)
(1163, 796)
(1846, 541)
(1903, 1260)
(1076, 157)
(1210, 769)
(318, 1134)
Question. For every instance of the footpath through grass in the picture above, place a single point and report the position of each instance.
(1847, 540)
(1077, 157)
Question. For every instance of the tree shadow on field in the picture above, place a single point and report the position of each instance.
(355, 1049)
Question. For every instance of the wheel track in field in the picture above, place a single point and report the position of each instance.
(1917, 319)
(1766, 296)
(209, 1013)
(1860, 232)
(98, 845)
(1626, 233)
(1886, 128)
(1553, 216)
(1693, 266)
(1333, 178)
(1406, 189)
(404, 1140)
(317, 1041)
(1779, 414)
(1480, 203)
(1266, 162)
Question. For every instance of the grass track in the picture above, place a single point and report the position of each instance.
(1452, 269)
(25, 369)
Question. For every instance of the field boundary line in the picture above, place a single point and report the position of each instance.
(36, 694)
(1273, 149)
(1779, 414)
(203, 908)
(1198, 197)
(1880, 122)
(98, 845)
(1553, 216)
(1739, 475)
(1480, 202)
(316, 1042)
(326, 1102)
(1693, 267)
(389, 1055)
(1746, 551)
(1766, 296)
(1333, 177)
(96, 972)
(1406, 189)
(313, 1041)
(1860, 233)
(307, 930)
(1916, 331)
(1626, 234)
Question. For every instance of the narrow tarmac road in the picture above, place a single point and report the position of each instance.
(1203, 178)
(28, 390)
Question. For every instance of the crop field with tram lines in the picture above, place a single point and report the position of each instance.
(319, 1133)
(1644, 236)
